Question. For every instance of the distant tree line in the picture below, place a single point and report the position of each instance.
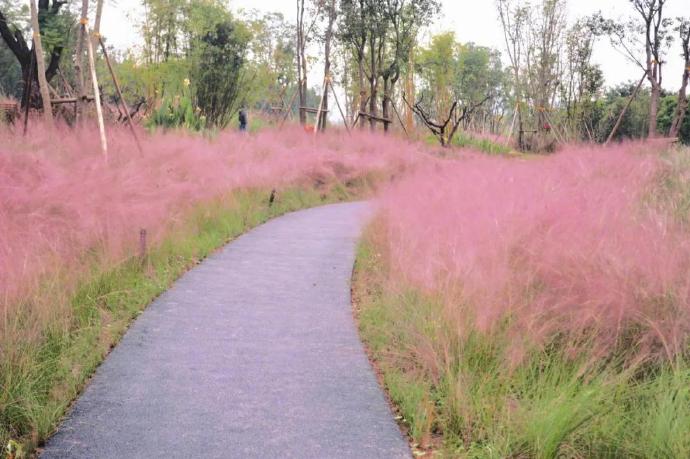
(197, 63)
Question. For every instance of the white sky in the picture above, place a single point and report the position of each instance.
(472, 20)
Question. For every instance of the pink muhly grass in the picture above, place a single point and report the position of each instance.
(559, 247)
(59, 199)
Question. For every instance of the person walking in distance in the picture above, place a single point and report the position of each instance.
(243, 119)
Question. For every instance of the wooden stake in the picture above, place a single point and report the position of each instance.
(119, 94)
(395, 109)
(96, 93)
(337, 102)
(288, 112)
(41, 66)
(143, 249)
(625, 110)
(318, 112)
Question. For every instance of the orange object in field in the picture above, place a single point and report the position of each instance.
(309, 128)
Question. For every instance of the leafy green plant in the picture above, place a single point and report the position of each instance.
(178, 112)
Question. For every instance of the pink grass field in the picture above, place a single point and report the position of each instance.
(58, 197)
(540, 248)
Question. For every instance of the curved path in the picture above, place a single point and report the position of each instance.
(252, 354)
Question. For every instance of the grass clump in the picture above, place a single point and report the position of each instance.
(460, 398)
(535, 309)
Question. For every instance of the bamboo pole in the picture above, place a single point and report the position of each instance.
(625, 110)
(397, 113)
(96, 93)
(318, 112)
(337, 102)
(288, 112)
(41, 66)
(119, 94)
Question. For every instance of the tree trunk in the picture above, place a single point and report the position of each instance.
(327, 62)
(301, 64)
(96, 31)
(410, 90)
(79, 61)
(41, 67)
(362, 92)
(16, 43)
(654, 109)
(373, 86)
(387, 89)
(682, 107)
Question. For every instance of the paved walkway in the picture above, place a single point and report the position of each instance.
(252, 354)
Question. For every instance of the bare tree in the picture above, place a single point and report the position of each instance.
(543, 58)
(404, 18)
(514, 19)
(331, 11)
(353, 31)
(644, 42)
(444, 130)
(682, 107)
(304, 33)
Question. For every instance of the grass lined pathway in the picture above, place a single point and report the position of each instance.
(252, 354)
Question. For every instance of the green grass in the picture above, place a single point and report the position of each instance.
(466, 140)
(461, 398)
(41, 375)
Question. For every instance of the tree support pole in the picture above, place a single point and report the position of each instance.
(397, 113)
(119, 94)
(96, 93)
(288, 112)
(318, 112)
(625, 110)
(337, 102)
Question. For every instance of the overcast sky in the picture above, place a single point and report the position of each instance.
(472, 20)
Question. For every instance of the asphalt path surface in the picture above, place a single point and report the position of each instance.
(254, 353)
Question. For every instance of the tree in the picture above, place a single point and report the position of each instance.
(644, 42)
(515, 19)
(307, 15)
(163, 29)
(683, 30)
(583, 81)
(543, 59)
(218, 59)
(464, 75)
(54, 28)
(270, 59)
(353, 32)
(405, 18)
(11, 75)
(331, 12)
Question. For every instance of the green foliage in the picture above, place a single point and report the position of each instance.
(605, 113)
(667, 111)
(219, 56)
(466, 140)
(178, 112)
(271, 63)
(465, 72)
